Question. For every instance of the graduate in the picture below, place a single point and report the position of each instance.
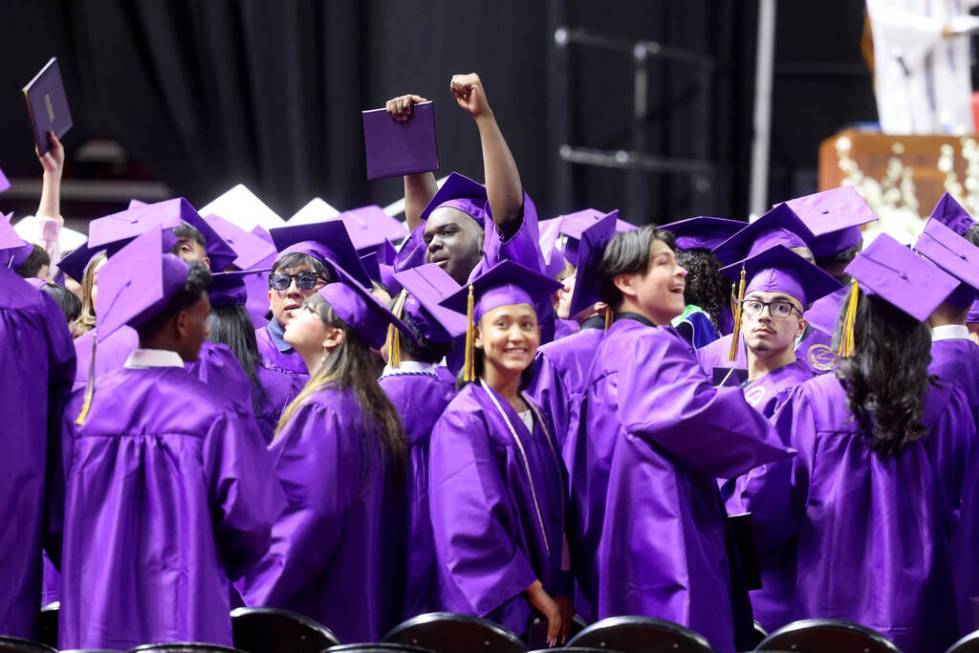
(496, 481)
(780, 226)
(954, 356)
(86, 319)
(561, 367)
(707, 314)
(872, 495)
(780, 285)
(463, 226)
(339, 452)
(162, 468)
(37, 365)
(653, 437)
(420, 388)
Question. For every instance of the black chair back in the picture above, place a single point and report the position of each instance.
(572, 649)
(17, 645)
(444, 632)
(271, 630)
(47, 624)
(819, 635)
(376, 648)
(968, 644)
(640, 635)
(184, 647)
(90, 650)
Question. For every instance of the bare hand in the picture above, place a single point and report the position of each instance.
(400, 107)
(543, 603)
(53, 161)
(566, 606)
(469, 94)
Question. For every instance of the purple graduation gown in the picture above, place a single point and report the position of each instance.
(670, 434)
(36, 369)
(288, 366)
(956, 361)
(767, 393)
(420, 398)
(565, 328)
(815, 351)
(335, 547)
(825, 311)
(497, 502)
(872, 532)
(181, 495)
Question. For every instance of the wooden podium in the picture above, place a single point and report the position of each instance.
(902, 172)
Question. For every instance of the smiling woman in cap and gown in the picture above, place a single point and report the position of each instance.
(496, 482)
(37, 387)
(655, 435)
(339, 453)
(873, 494)
(420, 388)
(177, 485)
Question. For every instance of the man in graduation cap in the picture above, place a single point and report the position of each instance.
(780, 226)
(37, 364)
(465, 226)
(163, 478)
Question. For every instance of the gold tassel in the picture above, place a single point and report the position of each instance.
(469, 370)
(736, 336)
(89, 384)
(734, 299)
(608, 317)
(846, 331)
(394, 336)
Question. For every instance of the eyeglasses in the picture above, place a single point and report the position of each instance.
(778, 309)
(304, 280)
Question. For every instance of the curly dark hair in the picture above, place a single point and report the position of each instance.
(706, 286)
(886, 379)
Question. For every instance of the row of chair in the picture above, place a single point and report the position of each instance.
(270, 630)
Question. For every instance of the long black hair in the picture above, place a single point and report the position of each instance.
(887, 379)
(230, 325)
(706, 287)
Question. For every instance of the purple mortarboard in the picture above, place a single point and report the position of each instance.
(369, 227)
(951, 214)
(590, 248)
(228, 288)
(550, 233)
(14, 250)
(263, 233)
(250, 248)
(137, 282)
(356, 306)
(572, 226)
(75, 262)
(427, 286)
(702, 232)
(777, 269)
(327, 241)
(387, 253)
(973, 316)
(371, 266)
(891, 271)
(393, 148)
(953, 254)
(387, 278)
(135, 204)
(4, 183)
(834, 216)
(37, 283)
(503, 284)
(47, 105)
(780, 226)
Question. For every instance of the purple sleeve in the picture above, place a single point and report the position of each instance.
(668, 400)
(549, 392)
(522, 246)
(244, 493)
(473, 519)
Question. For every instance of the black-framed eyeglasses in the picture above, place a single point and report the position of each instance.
(778, 309)
(304, 280)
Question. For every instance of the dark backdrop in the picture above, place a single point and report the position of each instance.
(204, 94)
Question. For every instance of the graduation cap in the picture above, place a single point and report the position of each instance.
(891, 271)
(504, 284)
(370, 227)
(250, 248)
(242, 207)
(779, 270)
(953, 254)
(76, 262)
(113, 231)
(780, 226)
(14, 250)
(4, 183)
(951, 214)
(228, 288)
(327, 241)
(590, 248)
(550, 235)
(702, 232)
(135, 204)
(834, 216)
(973, 316)
(573, 225)
(356, 306)
(426, 287)
(394, 148)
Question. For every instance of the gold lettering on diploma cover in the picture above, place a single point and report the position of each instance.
(47, 105)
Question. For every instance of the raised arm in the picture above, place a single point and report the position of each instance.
(502, 177)
(48, 216)
(419, 188)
